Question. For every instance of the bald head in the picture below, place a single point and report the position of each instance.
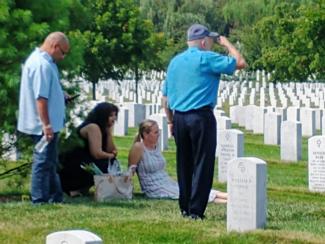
(57, 45)
(56, 38)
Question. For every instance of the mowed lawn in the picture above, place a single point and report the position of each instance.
(294, 215)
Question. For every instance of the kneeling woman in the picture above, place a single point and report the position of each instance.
(154, 180)
(98, 147)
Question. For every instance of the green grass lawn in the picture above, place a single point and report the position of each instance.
(294, 215)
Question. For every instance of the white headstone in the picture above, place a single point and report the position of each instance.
(272, 129)
(241, 113)
(247, 200)
(323, 124)
(230, 144)
(121, 125)
(234, 113)
(136, 113)
(319, 115)
(293, 113)
(249, 116)
(282, 112)
(258, 121)
(223, 122)
(73, 237)
(308, 121)
(291, 139)
(316, 163)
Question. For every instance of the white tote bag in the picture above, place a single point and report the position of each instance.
(110, 187)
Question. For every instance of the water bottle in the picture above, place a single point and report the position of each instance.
(40, 146)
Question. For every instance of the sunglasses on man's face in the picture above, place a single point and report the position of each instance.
(62, 52)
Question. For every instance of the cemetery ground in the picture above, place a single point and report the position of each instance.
(294, 215)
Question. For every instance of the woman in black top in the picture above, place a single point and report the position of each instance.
(98, 147)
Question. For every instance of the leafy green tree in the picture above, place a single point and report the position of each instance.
(23, 26)
(292, 42)
(174, 17)
(117, 40)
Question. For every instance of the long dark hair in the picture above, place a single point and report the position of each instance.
(100, 113)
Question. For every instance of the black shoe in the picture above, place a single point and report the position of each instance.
(196, 217)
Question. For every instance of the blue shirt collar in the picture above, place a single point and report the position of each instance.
(45, 55)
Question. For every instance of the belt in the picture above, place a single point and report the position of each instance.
(204, 108)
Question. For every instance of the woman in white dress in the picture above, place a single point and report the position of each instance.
(150, 166)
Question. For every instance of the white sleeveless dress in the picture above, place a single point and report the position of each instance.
(154, 180)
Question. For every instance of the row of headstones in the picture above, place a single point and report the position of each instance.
(309, 95)
(131, 114)
(231, 145)
(255, 118)
(149, 91)
(247, 194)
(288, 134)
(246, 179)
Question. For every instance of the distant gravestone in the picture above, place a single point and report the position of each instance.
(121, 125)
(230, 145)
(73, 237)
(234, 113)
(319, 115)
(247, 200)
(316, 163)
(293, 113)
(136, 113)
(291, 139)
(272, 129)
(241, 115)
(149, 109)
(258, 121)
(282, 112)
(323, 124)
(308, 121)
(223, 122)
(250, 116)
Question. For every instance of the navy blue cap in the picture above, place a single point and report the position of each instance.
(198, 31)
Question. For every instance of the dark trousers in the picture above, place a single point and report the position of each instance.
(195, 137)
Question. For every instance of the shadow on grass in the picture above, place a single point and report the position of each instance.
(87, 200)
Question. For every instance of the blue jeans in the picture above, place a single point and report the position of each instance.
(45, 183)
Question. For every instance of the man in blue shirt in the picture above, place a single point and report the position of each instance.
(42, 113)
(189, 96)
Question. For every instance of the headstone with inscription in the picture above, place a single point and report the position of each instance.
(247, 200)
(316, 163)
(230, 144)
